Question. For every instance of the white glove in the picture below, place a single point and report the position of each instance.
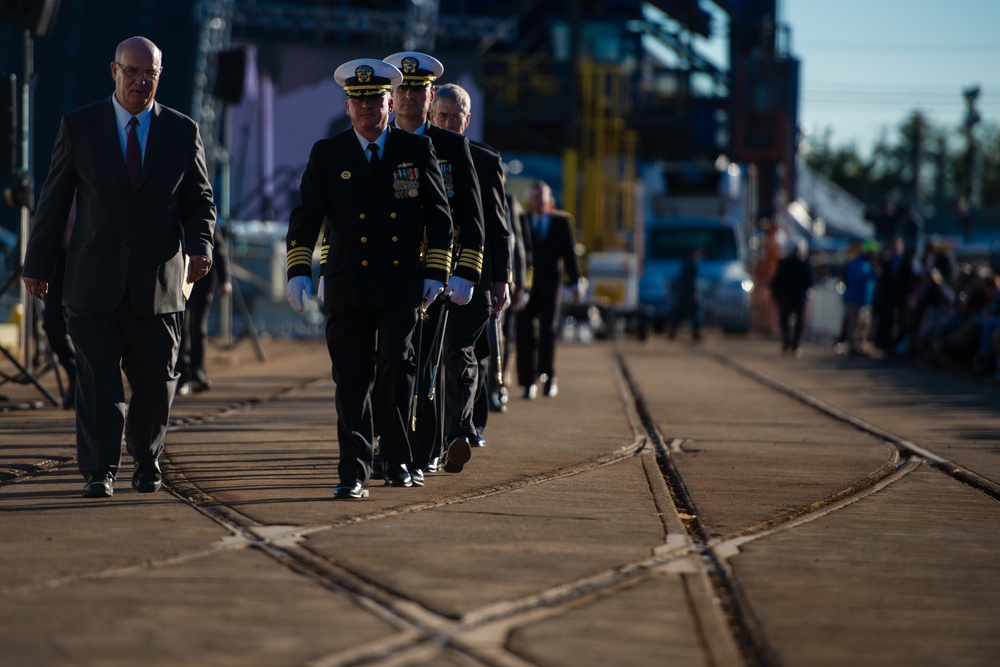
(299, 289)
(459, 290)
(522, 300)
(431, 290)
(321, 290)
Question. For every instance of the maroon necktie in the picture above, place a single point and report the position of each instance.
(133, 154)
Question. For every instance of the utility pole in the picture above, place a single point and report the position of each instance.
(972, 118)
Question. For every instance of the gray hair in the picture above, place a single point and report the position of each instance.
(452, 92)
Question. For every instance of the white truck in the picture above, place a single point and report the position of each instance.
(705, 206)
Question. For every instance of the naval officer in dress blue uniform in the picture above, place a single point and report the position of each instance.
(382, 194)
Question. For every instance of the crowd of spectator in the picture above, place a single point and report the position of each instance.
(925, 306)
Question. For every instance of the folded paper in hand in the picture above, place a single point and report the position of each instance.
(186, 287)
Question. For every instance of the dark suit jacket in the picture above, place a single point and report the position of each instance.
(464, 197)
(497, 266)
(123, 240)
(376, 223)
(553, 254)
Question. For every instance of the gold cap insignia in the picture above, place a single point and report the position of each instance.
(364, 73)
(409, 65)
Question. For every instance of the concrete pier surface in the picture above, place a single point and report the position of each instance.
(706, 504)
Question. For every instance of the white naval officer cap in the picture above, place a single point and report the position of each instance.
(365, 77)
(419, 69)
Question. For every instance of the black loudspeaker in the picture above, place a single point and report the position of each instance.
(230, 74)
(34, 15)
(8, 124)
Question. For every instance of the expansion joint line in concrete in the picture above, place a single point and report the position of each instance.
(950, 468)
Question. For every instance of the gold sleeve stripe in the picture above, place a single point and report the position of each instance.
(324, 252)
(439, 259)
(472, 259)
(299, 256)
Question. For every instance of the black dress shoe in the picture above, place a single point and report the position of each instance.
(357, 491)
(147, 477)
(198, 386)
(479, 441)
(458, 454)
(551, 388)
(417, 476)
(99, 485)
(398, 476)
(530, 392)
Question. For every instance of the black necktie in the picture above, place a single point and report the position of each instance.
(133, 154)
(373, 162)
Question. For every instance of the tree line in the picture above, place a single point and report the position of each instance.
(949, 176)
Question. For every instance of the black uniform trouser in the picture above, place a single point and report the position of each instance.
(145, 347)
(536, 336)
(439, 423)
(486, 354)
(358, 341)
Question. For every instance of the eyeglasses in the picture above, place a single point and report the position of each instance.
(454, 117)
(132, 72)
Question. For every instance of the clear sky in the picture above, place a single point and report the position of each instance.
(867, 64)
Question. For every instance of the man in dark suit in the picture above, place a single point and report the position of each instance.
(553, 253)
(144, 201)
(452, 109)
(445, 423)
(381, 192)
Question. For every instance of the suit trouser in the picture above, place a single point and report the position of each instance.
(536, 350)
(358, 340)
(791, 333)
(145, 347)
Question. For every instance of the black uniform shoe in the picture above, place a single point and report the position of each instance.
(147, 477)
(398, 476)
(355, 492)
(99, 485)
(377, 472)
(496, 404)
(530, 392)
(458, 454)
(479, 441)
(418, 476)
(551, 388)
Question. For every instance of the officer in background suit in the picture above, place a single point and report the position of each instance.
(380, 191)
(452, 109)
(143, 202)
(446, 422)
(552, 254)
